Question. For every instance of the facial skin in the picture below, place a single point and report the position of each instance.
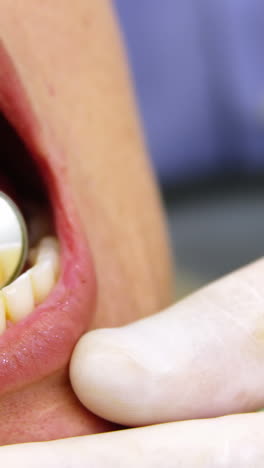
(69, 70)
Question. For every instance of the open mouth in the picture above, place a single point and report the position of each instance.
(21, 180)
(44, 311)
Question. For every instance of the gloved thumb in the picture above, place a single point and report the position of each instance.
(202, 357)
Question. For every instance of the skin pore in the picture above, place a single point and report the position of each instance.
(68, 59)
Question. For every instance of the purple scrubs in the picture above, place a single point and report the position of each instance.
(199, 75)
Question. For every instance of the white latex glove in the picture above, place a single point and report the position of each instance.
(201, 358)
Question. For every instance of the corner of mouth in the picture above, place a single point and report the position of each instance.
(42, 343)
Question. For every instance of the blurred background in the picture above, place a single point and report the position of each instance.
(198, 69)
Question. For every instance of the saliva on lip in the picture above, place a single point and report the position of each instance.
(20, 293)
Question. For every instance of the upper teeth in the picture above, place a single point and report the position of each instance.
(18, 299)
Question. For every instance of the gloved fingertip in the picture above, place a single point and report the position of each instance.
(108, 379)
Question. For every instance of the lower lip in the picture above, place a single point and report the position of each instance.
(42, 343)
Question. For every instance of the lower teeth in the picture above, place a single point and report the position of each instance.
(18, 299)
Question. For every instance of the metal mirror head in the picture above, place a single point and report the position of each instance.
(13, 241)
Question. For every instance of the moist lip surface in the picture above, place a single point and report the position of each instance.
(42, 343)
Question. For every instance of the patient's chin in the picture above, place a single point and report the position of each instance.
(47, 410)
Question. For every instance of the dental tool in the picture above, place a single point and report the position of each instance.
(13, 241)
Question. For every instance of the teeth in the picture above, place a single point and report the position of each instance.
(43, 279)
(2, 274)
(49, 250)
(8, 260)
(18, 299)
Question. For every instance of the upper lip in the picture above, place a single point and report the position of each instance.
(42, 343)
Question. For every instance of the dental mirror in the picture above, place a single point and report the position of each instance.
(13, 240)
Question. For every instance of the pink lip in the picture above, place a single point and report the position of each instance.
(42, 344)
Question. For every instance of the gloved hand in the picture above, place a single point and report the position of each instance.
(201, 358)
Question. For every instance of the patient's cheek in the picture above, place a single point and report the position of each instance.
(45, 411)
